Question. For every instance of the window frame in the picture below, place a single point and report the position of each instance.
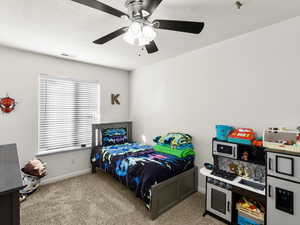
(67, 149)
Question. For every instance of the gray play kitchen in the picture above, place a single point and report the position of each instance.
(254, 181)
(283, 176)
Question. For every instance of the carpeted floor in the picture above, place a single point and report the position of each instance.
(99, 199)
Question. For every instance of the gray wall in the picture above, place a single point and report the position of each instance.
(19, 73)
(248, 81)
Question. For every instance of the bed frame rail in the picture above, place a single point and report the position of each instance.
(172, 191)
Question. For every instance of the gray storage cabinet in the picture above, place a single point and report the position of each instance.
(10, 184)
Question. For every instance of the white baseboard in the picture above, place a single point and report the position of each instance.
(65, 176)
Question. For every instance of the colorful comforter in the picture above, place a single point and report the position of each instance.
(139, 166)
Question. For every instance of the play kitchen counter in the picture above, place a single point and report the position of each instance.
(236, 182)
(236, 197)
(222, 196)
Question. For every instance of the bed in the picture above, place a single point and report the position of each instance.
(160, 180)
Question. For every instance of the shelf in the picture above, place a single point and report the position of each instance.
(253, 146)
(256, 154)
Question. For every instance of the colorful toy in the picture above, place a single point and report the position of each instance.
(258, 143)
(223, 131)
(282, 138)
(247, 172)
(32, 172)
(242, 136)
(240, 170)
(208, 166)
(245, 156)
(35, 168)
(233, 168)
(31, 184)
(298, 140)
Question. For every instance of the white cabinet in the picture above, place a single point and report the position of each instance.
(283, 202)
(284, 166)
(283, 192)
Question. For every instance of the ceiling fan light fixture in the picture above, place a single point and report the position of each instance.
(130, 39)
(149, 32)
(139, 34)
(135, 29)
(133, 40)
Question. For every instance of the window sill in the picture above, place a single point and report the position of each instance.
(66, 150)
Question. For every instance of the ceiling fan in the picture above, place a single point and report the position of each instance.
(141, 31)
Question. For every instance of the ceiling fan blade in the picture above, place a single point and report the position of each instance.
(102, 7)
(111, 36)
(151, 47)
(151, 5)
(181, 26)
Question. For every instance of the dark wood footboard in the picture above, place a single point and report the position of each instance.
(172, 191)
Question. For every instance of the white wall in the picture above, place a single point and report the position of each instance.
(249, 81)
(19, 73)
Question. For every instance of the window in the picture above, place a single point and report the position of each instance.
(67, 110)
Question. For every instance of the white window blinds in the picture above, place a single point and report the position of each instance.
(67, 110)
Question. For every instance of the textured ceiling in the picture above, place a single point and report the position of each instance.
(54, 27)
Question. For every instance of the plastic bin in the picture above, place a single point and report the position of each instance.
(223, 132)
(240, 141)
(275, 138)
(244, 219)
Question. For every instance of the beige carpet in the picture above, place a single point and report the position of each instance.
(99, 199)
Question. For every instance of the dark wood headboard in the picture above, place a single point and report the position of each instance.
(97, 130)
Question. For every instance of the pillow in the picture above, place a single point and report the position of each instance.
(114, 136)
(174, 139)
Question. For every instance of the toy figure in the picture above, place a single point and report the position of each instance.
(32, 172)
(247, 172)
(233, 167)
(245, 156)
(240, 170)
(35, 168)
(258, 142)
(298, 139)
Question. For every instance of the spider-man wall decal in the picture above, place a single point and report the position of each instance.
(7, 104)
